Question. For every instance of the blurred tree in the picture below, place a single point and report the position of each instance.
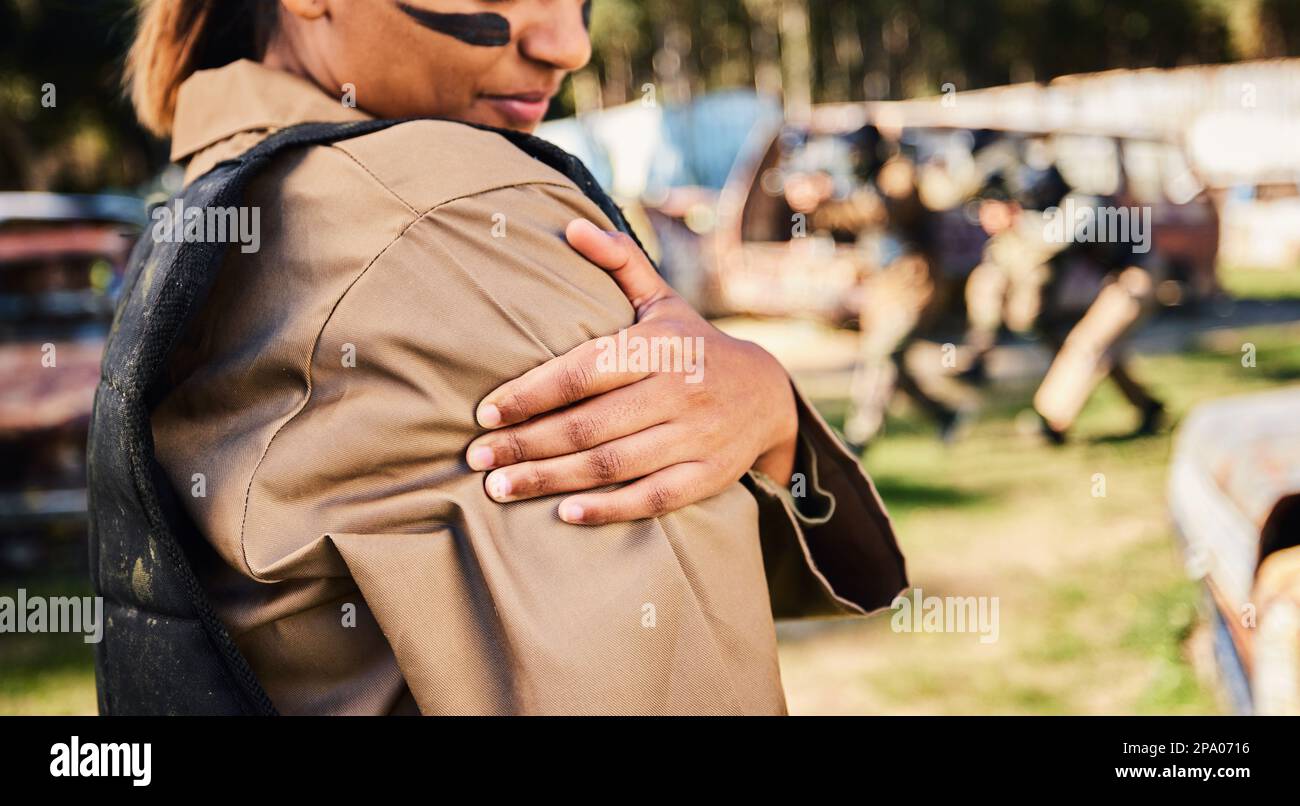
(882, 49)
(1279, 21)
(63, 122)
(666, 50)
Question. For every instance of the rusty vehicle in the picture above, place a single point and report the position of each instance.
(1177, 139)
(757, 260)
(1234, 496)
(61, 264)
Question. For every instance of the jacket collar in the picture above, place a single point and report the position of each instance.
(243, 96)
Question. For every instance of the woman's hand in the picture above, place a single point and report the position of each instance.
(583, 420)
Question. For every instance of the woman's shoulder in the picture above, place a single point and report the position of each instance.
(426, 163)
(337, 206)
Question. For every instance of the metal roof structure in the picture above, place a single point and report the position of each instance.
(1239, 123)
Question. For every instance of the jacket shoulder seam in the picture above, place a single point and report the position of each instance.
(340, 146)
(410, 208)
(320, 332)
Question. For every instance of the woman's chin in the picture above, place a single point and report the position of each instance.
(502, 115)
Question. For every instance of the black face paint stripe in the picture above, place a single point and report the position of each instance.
(486, 29)
(586, 15)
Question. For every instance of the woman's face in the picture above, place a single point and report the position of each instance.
(496, 62)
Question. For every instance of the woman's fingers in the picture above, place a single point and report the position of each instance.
(562, 381)
(646, 426)
(657, 494)
(615, 414)
(576, 375)
(618, 254)
(623, 459)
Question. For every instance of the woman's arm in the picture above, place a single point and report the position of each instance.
(491, 607)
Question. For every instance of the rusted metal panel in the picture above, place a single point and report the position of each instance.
(1234, 482)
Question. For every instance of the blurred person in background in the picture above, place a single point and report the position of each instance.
(900, 295)
(1082, 297)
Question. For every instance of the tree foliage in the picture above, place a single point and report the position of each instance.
(827, 50)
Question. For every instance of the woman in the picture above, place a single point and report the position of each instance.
(413, 319)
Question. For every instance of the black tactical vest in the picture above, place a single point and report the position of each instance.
(164, 651)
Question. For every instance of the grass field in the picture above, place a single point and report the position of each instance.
(47, 674)
(1096, 614)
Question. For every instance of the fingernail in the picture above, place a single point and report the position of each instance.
(481, 458)
(489, 416)
(570, 512)
(499, 486)
(591, 225)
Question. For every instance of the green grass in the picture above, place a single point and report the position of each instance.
(47, 673)
(1250, 283)
(1097, 614)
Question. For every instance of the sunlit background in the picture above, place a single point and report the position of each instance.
(1145, 564)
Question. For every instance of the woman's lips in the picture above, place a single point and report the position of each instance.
(526, 108)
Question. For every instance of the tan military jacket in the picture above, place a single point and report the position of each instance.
(323, 403)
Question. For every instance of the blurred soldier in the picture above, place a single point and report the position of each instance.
(1008, 285)
(1082, 297)
(897, 296)
(1093, 346)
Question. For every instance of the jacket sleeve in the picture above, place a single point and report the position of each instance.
(490, 607)
(828, 544)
